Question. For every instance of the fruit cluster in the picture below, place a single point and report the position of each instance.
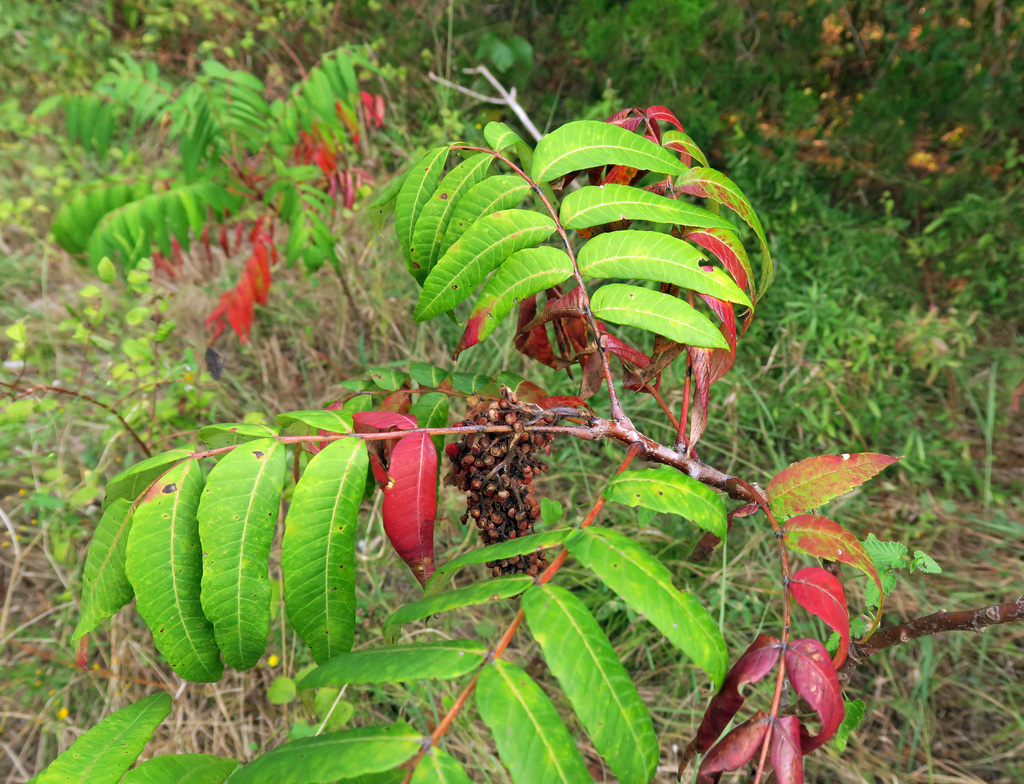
(497, 470)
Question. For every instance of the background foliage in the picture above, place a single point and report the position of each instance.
(880, 141)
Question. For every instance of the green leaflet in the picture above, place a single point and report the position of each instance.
(477, 593)
(523, 273)
(130, 229)
(428, 234)
(484, 246)
(532, 741)
(651, 255)
(165, 565)
(132, 482)
(334, 755)
(439, 767)
(317, 553)
(104, 753)
(441, 659)
(105, 586)
(645, 584)
(493, 552)
(388, 378)
(237, 516)
(78, 216)
(429, 376)
(714, 185)
(381, 207)
(306, 422)
(499, 136)
(667, 490)
(598, 686)
(216, 436)
(677, 140)
(589, 143)
(181, 769)
(420, 183)
(499, 192)
(660, 313)
(594, 205)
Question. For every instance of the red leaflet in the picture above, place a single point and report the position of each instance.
(665, 115)
(397, 402)
(756, 662)
(380, 451)
(237, 306)
(786, 755)
(722, 359)
(623, 350)
(820, 537)
(82, 656)
(810, 672)
(410, 503)
(736, 749)
(529, 392)
(727, 249)
(367, 421)
(569, 401)
(700, 365)
(535, 342)
(821, 594)
(620, 175)
(817, 480)
(373, 108)
(630, 118)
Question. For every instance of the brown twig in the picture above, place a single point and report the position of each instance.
(22, 392)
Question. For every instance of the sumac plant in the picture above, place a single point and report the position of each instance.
(248, 170)
(603, 225)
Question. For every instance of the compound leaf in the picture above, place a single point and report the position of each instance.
(237, 517)
(318, 549)
(667, 490)
(594, 205)
(598, 686)
(483, 247)
(441, 659)
(589, 143)
(105, 752)
(532, 741)
(645, 584)
(651, 255)
(331, 756)
(736, 749)
(439, 767)
(165, 566)
(656, 312)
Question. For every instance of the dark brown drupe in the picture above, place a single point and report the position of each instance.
(496, 471)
